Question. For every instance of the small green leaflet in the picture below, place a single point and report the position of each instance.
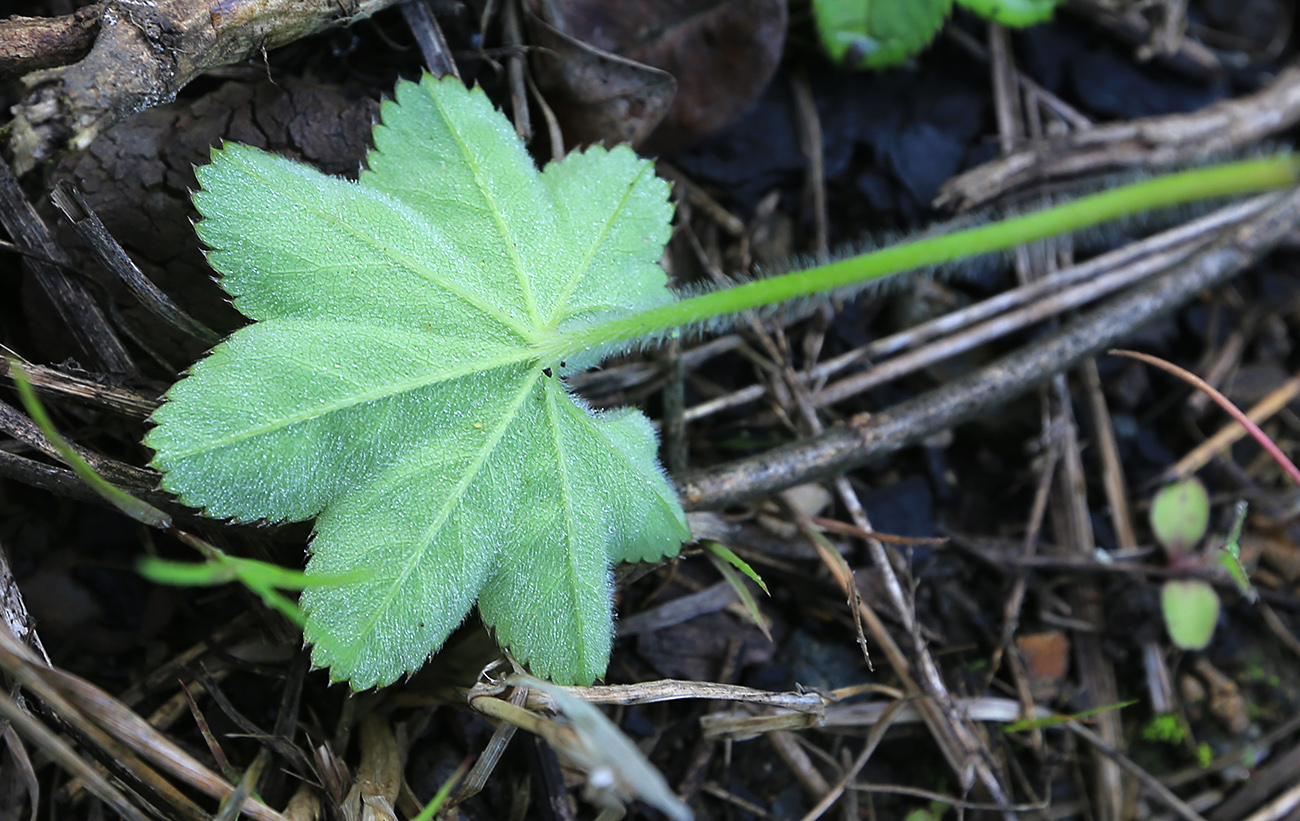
(1191, 611)
(1230, 556)
(1016, 13)
(731, 566)
(884, 33)
(391, 386)
(877, 33)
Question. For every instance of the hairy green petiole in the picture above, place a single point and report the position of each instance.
(1241, 177)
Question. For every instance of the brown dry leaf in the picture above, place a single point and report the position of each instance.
(21, 778)
(1047, 660)
(379, 775)
(597, 96)
(722, 53)
(305, 805)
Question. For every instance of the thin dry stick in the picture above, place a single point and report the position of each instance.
(1224, 127)
(1016, 598)
(873, 741)
(1159, 791)
(952, 801)
(1047, 308)
(72, 697)
(1278, 627)
(958, 747)
(1010, 109)
(66, 757)
(478, 775)
(516, 69)
(787, 747)
(965, 753)
(1074, 524)
(1218, 365)
(966, 745)
(1174, 245)
(810, 141)
(1112, 474)
(650, 692)
(1058, 107)
(864, 438)
(1279, 808)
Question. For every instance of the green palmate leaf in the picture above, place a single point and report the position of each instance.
(1017, 13)
(877, 33)
(391, 385)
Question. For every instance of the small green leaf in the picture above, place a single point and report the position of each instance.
(1168, 728)
(1191, 609)
(1230, 557)
(1180, 515)
(392, 385)
(728, 563)
(877, 33)
(721, 551)
(1016, 13)
(137, 509)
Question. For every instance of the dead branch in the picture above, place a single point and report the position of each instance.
(1223, 128)
(31, 43)
(144, 53)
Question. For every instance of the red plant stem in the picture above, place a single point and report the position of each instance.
(1224, 402)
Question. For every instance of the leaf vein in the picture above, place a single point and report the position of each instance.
(413, 265)
(581, 269)
(572, 575)
(452, 499)
(512, 248)
(381, 392)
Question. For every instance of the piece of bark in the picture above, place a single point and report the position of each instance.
(79, 314)
(1225, 128)
(31, 43)
(146, 51)
(139, 174)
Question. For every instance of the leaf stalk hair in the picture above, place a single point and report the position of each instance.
(1226, 179)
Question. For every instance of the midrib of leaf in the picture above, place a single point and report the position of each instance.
(452, 498)
(416, 266)
(572, 577)
(512, 249)
(581, 269)
(384, 392)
